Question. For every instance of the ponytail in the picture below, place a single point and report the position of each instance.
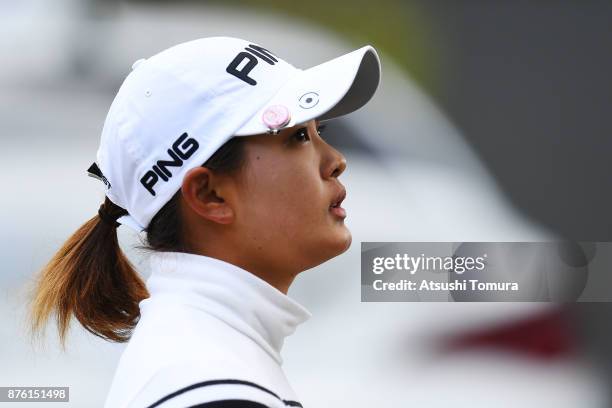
(91, 279)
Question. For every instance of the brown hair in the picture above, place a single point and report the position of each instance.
(91, 279)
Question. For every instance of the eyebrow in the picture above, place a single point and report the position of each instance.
(302, 126)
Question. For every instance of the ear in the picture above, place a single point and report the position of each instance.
(201, 192)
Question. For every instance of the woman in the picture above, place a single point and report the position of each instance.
(213, 148)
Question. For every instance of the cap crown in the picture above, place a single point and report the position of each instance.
(175, 109)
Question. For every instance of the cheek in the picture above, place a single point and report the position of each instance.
(286, 210)
(291, 196)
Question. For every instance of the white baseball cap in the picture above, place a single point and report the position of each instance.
(176, 108)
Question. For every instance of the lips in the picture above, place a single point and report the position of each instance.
(335, 206)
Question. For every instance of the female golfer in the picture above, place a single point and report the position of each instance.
(230, 220)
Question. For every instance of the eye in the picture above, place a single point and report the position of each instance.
(302, 134)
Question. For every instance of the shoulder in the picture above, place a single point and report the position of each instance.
(192, 384)
(195, 365)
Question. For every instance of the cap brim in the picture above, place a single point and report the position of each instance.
(328, 90)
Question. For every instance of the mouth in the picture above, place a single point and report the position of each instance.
(336, 206)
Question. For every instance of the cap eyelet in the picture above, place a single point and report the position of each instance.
(308, 100)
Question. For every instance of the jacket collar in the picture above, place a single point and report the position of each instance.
(243, 300)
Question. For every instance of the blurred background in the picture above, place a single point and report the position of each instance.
(492, 123)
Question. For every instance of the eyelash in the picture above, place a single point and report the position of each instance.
(303, 132)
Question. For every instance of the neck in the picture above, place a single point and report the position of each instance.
(280, 279)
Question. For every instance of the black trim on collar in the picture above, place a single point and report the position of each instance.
(288, 403)
(230, 404)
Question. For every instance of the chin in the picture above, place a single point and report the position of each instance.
(341, 242)
(327, 245)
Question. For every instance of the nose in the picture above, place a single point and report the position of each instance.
(337, 163)
(333, 163)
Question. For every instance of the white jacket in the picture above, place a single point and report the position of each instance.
(210, 335)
